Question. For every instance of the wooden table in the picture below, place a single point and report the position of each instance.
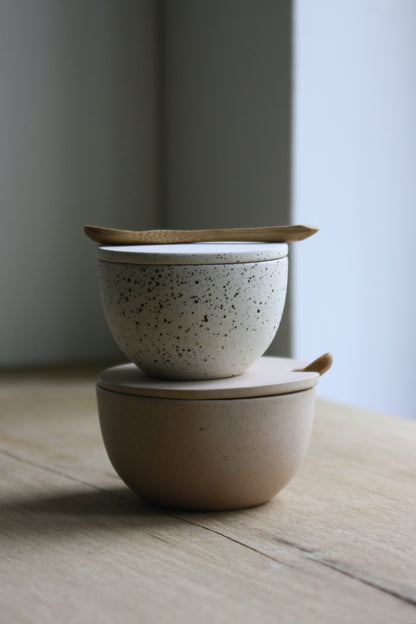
(337, 545)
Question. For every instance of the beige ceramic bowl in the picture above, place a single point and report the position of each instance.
(208, 445)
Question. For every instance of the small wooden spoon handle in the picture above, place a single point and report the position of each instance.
(320, 365)
(110, 236)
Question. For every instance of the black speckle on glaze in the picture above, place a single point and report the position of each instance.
(194, 321)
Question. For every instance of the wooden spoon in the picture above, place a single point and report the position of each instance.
(320, 365)
(286, 233)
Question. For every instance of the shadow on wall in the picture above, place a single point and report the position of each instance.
(79, 145)
(137, 115)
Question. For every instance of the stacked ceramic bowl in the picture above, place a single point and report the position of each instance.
(200, 419)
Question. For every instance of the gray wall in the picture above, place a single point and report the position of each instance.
(79, 136)
(178, 113)
(227, 117)
(133, 114)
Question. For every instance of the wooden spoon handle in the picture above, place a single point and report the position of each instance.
(288, 233)
(320, 365)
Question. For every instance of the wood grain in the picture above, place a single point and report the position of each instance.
(285, 233)
(338, 544)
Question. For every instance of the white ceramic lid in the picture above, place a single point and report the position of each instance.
(193, 253)
(268, 376)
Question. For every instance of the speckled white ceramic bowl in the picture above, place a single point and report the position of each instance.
(217, 444)
(195, 311)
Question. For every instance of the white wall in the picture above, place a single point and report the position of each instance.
(354, 175)
(79, 138)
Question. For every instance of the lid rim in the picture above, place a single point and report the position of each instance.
(241, 397)
(193, 253)
(123, 261)
(269, 376)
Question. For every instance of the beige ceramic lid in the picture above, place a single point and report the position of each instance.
(193, 253)
(268, 376)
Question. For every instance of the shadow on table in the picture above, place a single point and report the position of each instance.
(67, 513)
